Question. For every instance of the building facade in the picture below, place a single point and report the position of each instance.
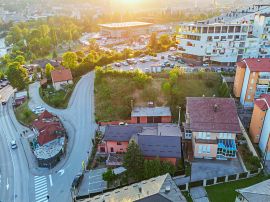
(226, 39)
(61, 77)
(212, 126)
(252, 79)
(260, 124)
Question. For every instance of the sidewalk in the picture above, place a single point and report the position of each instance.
(199, 194)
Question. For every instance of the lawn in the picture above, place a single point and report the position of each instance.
(115, 94)
(58, 99)
(226, 192)
(24, 114)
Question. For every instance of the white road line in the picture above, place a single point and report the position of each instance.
(51, 183)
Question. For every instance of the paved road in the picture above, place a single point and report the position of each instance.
(79, 121)
(14, 174)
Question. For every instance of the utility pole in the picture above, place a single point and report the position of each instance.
(179, 116)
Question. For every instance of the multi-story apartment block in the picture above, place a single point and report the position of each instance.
(228, 38)
(212, 126)
(218, 42)
(252, 79)
(260, 124)
(261, 30)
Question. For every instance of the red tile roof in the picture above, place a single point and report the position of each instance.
(49, 133)
(45, 115)
(255, 64)
(61, 75)
(263, 102)
(206, 118)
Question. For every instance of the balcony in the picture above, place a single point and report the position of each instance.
(263, 81)
(206, 141)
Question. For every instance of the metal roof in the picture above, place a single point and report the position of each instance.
(151, 111)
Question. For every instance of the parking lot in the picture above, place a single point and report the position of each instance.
(208, 169)
(92, 182)
(164, 61)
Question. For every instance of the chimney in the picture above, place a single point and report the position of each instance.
(167, 189)
(215, 108)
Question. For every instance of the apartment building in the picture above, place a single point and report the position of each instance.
(228, 38)
(252, 79)
(261, 30)
(259, 129)
(212, 126)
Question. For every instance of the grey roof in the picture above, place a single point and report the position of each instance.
(121, 133)
(257, 192)
(151, 111)
(161, 146)
(125, 132)
(151, 190)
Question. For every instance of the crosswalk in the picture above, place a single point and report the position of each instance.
(41, 190)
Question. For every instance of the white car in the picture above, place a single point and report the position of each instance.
(205, 65)
(13, 144)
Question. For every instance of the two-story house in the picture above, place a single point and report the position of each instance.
(212, 126)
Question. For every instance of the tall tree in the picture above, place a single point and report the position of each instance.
(70, 60)
(17, 76)
(48, 69)
(133, 161)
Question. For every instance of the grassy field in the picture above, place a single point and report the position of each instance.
(24, 114)
(58, 99)
(113, 95)
(226, 192)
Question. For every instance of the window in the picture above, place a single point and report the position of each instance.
(248, 97)
(230, 37)
(223, 38)
(220, 135)
(225, 135)
(119, 143)
(252, 81)
(208, 135)
(208, 149)
(200, 149)
(204, 148)
(216, 37)
(200, 135)
(229, 136)
(204, 135)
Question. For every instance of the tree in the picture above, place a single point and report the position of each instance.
(48, 69)
(153, 42)
(20, 59)
(2, 75)
(70, 60)
(133, 161)
(54, 54)
(165, 40)
(109, 176)
(17, 76)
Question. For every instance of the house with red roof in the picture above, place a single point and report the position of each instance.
(259, 129)
(48, 128)
(212, 126)
(252, 79)
(61, 77)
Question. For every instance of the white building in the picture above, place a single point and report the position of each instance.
(61, 78)
(242, 33)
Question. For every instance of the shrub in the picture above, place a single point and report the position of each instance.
(209, 84)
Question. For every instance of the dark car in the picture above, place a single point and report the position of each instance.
(77, 180)
(4, 102)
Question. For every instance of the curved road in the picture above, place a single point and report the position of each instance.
(20, 178)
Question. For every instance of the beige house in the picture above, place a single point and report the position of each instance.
(212, 126)
(61, 77)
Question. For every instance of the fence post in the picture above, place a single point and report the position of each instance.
(204, 182)
(226, 178)
(215, 180)
(248, 175)
(187, 186)
(237, 176)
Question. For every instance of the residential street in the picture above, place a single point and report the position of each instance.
(20, 178)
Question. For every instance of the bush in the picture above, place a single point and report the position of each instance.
(209, 84)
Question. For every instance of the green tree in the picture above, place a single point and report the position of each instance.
(109, 176)
(2, 75)
(48, 69)
(133, 161)
(70, 60)
(165, 40)
(17, 76)
(20, 59)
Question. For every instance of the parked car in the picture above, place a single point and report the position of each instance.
(4, 102)
(191, 65)
(77, 180)
(181, 61)
(117, 64)
(205, 64)
(13, 144)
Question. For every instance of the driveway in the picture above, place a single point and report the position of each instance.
(208, 169)
(93, 182)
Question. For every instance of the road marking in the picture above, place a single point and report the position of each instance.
(41, 190)
(61, 172)
(51, 183)
(7, 184)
